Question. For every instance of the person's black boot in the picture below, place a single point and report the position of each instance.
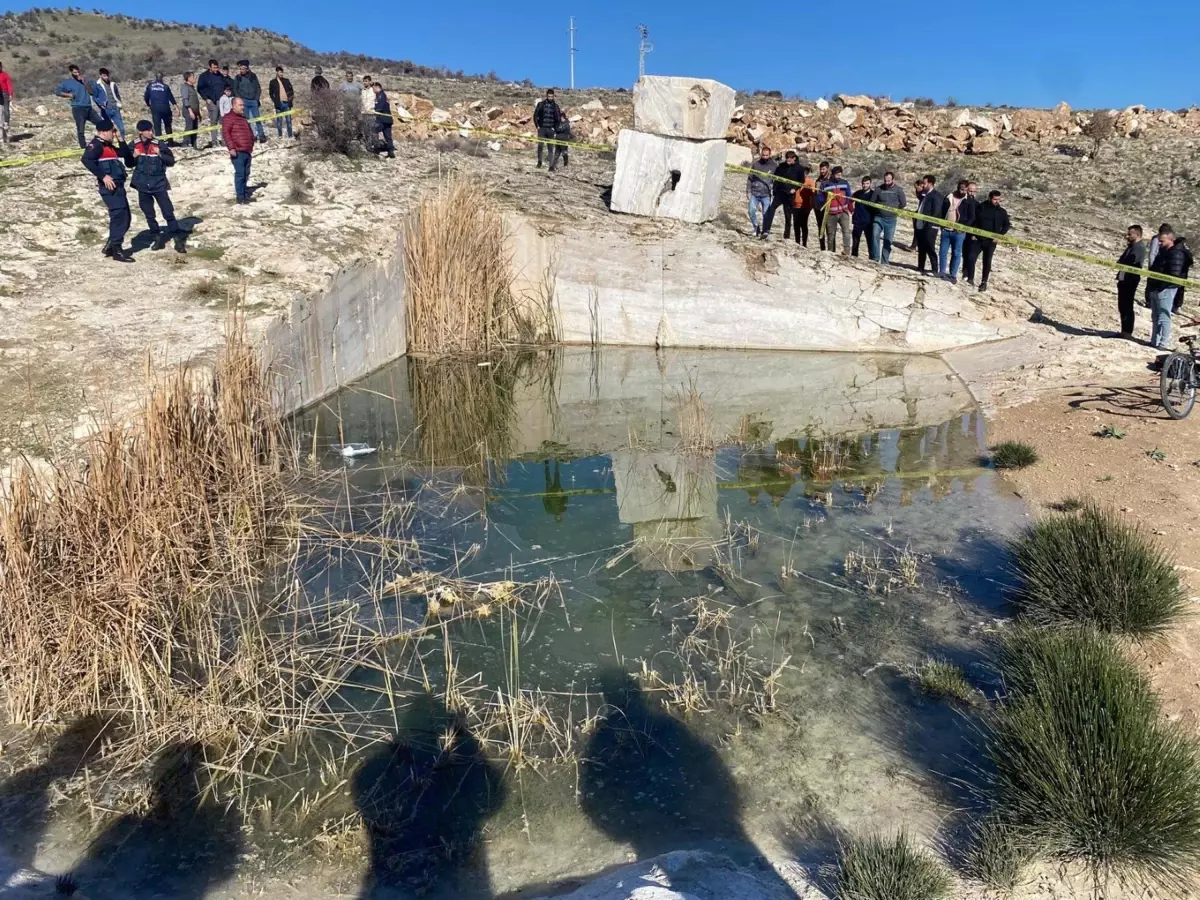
(118, 254)
(160, 240)
(982, 286)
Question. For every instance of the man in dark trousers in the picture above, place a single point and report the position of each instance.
(249, 91)
(282, 97)
(926, 232)
(1134, 256)
(189, 102)
(546, 116)
(968, 212)
(239, 141)
(994, 218)
(383, 122)
(161, 100)
(107, 157)
(819, 203)
(863, 218)
(152, 158)
(789, 175)
(210, 86)
(79, 93)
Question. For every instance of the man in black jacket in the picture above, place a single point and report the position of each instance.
(546, 116)
(1188, 260)
(968, 212)
(246, 86)
(211, 86)
(784, 196)
(1160, 295)
(152, 159)
(926, 233)
(863, 218)
(1127, 283)
(107, 157)
(994, 218)
(383, 121)
(282, 96)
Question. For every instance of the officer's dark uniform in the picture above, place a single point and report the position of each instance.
(103, 158)
(152, 159)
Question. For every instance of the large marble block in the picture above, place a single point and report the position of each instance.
(669, 178)
(695, 108)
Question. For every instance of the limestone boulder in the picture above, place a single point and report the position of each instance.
(822, 104)
(852, 117)
(668, 177)
(860, 101)
(594, 106)
(439, 117)
(738, 154)
(695, 108)
(985, 143)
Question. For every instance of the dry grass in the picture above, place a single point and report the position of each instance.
(459, 276)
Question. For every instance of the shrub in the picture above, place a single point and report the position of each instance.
(338, 127)
(999, 855)
(1100, 128)
(1085, 768)
(1094, 569)
(879, 869)
(1013, 455)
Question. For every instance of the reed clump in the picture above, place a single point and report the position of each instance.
(125, 572)
(875, 868)
(1085, 768)
(1096, 570)
(461, 292)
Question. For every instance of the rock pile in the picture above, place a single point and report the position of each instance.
(852, 122)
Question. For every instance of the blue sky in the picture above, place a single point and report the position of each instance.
(1102, 53)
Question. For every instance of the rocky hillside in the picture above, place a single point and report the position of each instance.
(38, 45)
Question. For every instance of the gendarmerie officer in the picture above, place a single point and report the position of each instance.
(107, 157)
(152, 159)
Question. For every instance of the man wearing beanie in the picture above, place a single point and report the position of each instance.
(107, 157)
(152, 159)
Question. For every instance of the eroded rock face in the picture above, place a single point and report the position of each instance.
(694, 108)
(668, 177)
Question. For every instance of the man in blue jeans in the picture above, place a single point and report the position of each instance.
(247, 88)
(884, 225)
(955, 208)
(760, 189)
(79, 93)
(239, 141)
(1160, 295)
(282, 97)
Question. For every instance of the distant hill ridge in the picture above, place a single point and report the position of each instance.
(37, 45)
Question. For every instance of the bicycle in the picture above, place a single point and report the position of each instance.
(1180, 377)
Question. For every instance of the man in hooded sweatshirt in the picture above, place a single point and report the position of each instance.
(883, 228)
(1170, 260)
(789, 176)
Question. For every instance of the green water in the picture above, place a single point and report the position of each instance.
(723, 652)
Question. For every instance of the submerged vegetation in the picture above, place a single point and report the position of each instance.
(875, 868)
(1094, 569)
(1085, 769)
(942, 678)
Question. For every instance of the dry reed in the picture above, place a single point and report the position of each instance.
(459, 277)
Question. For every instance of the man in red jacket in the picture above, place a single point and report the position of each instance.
(6, 99)
(239, 141)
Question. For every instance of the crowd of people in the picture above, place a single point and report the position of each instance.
(788, 188)
(1167, 254)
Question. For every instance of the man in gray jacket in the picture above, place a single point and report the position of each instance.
(890, 193)
(189, 102)
(760, 189)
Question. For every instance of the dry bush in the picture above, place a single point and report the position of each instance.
(459, 276)
(1101, 127)
(337, 124)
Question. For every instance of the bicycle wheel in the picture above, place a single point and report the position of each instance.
(1178, 385)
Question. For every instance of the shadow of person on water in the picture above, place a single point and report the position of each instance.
(648, 781)
(184, 845)
(424, 798)
(25, 797)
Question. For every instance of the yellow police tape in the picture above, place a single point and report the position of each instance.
(68, 154)
(1020, 243)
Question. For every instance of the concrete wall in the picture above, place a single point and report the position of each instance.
(677, 286)
(337, 337)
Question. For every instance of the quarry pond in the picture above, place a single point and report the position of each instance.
(647, 601)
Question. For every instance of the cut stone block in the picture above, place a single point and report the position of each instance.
(696, 108)
(668, 178)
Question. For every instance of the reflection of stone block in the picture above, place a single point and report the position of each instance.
(653, 486)
(696, 108)
(668, 177)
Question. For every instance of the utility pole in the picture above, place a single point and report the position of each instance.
(644, 47)
(571, 32)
